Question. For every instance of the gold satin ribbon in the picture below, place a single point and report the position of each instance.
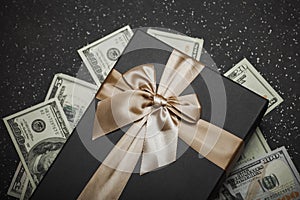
(158, 117)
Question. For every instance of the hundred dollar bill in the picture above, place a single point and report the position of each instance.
(73, 94)
(18, 182)
(38, 134)
(27, 190)
(245, 74)
(188, 45)
(271, 177)
(256, 147)
(101, 55)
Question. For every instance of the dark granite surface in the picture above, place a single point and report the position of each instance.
(40, 38)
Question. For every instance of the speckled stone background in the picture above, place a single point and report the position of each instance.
(40, 38)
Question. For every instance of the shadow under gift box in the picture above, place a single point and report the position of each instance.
(223, 103)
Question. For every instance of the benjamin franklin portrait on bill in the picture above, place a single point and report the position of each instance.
(42, 155)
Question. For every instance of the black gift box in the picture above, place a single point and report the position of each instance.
(224, 103)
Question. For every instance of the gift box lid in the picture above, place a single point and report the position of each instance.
(223, 103)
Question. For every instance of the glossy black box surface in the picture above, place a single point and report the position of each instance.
(190, 176)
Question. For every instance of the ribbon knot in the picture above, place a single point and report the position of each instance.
(159, 100)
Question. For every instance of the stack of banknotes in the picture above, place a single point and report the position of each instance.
(40, 131)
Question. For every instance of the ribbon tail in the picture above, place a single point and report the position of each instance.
(113, 174)
(160, 140)
(214, 143)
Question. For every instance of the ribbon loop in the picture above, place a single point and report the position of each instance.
(142, 77)
(120, 110)
(186, 107)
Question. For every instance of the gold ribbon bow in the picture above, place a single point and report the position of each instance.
(159, 116)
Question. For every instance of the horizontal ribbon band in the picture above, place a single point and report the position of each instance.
(159, 115)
